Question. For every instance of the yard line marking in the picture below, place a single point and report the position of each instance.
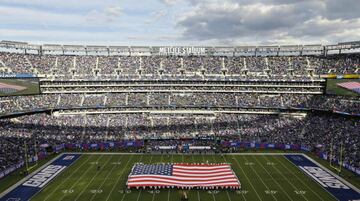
(294, 187)
(138, 197)
(247, 178)
(84, 173)
(67, 178)
(107, 176)
(277, 183)
(172, 156)
(119, 179)
(227, 192)
(234, 172)
(192, 159)
(140, 189)
(301, 181)
(203, 160)
(162, 156)
(260, 179)
(92, 179)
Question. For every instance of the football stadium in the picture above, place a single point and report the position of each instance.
(187, 121)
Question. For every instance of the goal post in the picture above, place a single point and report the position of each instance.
(33, 165)
(338, 155)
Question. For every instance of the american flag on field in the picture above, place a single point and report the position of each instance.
(202, 176)
(353, 86)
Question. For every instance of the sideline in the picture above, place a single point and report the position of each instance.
(248, 153)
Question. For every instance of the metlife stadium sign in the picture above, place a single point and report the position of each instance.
(331, 183)
(37, 181)
(182, 51)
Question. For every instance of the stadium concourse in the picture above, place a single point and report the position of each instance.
(168, 99)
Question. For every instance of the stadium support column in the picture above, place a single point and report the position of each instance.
(148, 99)
(26, 157)
(107, 128)
(238, 128)
(212, 127)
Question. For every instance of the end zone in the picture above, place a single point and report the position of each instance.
(331, 183)
(35, 182)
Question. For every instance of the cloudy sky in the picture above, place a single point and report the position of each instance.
(180, 22)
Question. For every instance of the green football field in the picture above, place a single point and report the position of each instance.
(31, 84)
(262, 177)
(332, 88)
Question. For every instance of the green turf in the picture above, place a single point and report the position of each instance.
(332, 88)
(262, 178)
(32, 86)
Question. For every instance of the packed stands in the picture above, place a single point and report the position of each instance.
(154, 94)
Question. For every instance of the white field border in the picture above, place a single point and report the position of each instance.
(118, 153)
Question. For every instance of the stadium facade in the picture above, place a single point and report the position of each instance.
(295, 50)
(188, 99)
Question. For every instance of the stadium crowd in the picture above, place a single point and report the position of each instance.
(317, 131)
(314, 130)
(95, 67)
(325, 102)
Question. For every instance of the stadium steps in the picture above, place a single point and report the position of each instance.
(32, 69)
(2, 63)
(107, 127)
(82, 100)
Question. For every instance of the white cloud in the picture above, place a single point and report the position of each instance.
(106, 15)
(171, 2)
(155, 16)
(187, 22)
(27, 16)
(59, 4)
(113, 11)
(87, 38)
(263, 21)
